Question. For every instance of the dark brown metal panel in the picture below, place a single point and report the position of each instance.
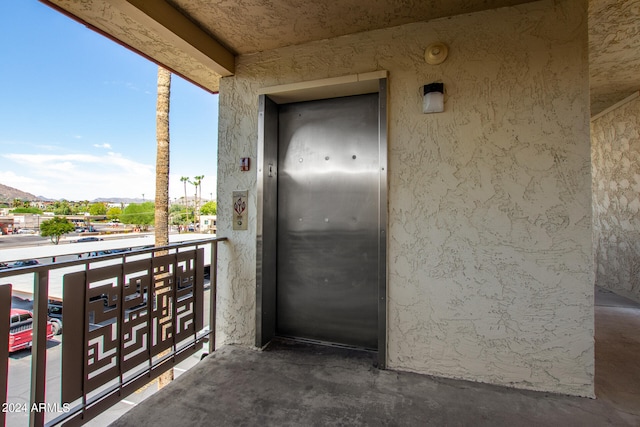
(5, 321)
(213, 296)
(73, 350)
(189, 281)
(136, 304)
(198, 294)
(163, 295)
(102, 329)
(116, 395)
(39, 345)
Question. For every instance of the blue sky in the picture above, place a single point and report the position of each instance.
(77, 113)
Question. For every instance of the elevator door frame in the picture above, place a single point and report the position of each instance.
(267, 197)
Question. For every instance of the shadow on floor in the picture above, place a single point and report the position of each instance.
(294, 384)
(617, 379)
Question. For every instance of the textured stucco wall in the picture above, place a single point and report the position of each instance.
(615, 139)
(490, 269)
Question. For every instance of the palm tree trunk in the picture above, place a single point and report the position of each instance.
(162, 176)
(162, 158)
(185, 179)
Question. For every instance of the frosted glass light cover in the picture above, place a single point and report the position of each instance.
(433, 102)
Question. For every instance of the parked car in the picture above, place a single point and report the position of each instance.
(25, 263)
(26, 231)
(99, 253)
(89, 239)
(21, 330)
(55, 315)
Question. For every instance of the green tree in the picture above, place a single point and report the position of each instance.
(114, 213)
(27, 210)
(62, 207)
(177, 215)
(56, 227)
(209, 208)
(140, 214)
(98, 209)
(176, 208)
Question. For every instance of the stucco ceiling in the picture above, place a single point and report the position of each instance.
(248, 26)
(614, 51)
(198, 39)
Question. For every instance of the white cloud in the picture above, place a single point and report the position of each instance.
(78, 176)
(88, 176)
(47, 147)
(105, 145)
(21, 182)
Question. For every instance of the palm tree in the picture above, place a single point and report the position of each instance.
(197, 181)
(185, 179)
(162, 176)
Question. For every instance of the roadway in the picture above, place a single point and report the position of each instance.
(25, 246)
(68, 249)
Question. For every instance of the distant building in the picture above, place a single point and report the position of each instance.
(208, 224)
(6, 225)
(41, 204)
(27, 221)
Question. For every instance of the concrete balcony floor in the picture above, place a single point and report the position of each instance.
(294, 384)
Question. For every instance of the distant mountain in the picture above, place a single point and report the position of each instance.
(8, 194)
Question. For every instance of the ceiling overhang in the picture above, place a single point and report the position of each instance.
(198, 39)
(614, 51)
(158, 31)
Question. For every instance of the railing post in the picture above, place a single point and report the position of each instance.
(5, 307)
(39, 347)
(213, 278)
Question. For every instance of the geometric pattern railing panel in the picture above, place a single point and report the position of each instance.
(162, 321)
(121, 317)
(101, 328)
(136, 304)
(188, 316)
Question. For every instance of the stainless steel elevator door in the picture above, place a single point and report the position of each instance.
(327, 237)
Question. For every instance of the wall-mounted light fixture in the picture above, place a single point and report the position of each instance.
(433, 98)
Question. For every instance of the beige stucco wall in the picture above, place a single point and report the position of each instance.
(490, 270)
(616, 199)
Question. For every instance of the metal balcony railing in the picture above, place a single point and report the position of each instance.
(126, 319)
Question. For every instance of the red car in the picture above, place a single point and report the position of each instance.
(21, 327)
